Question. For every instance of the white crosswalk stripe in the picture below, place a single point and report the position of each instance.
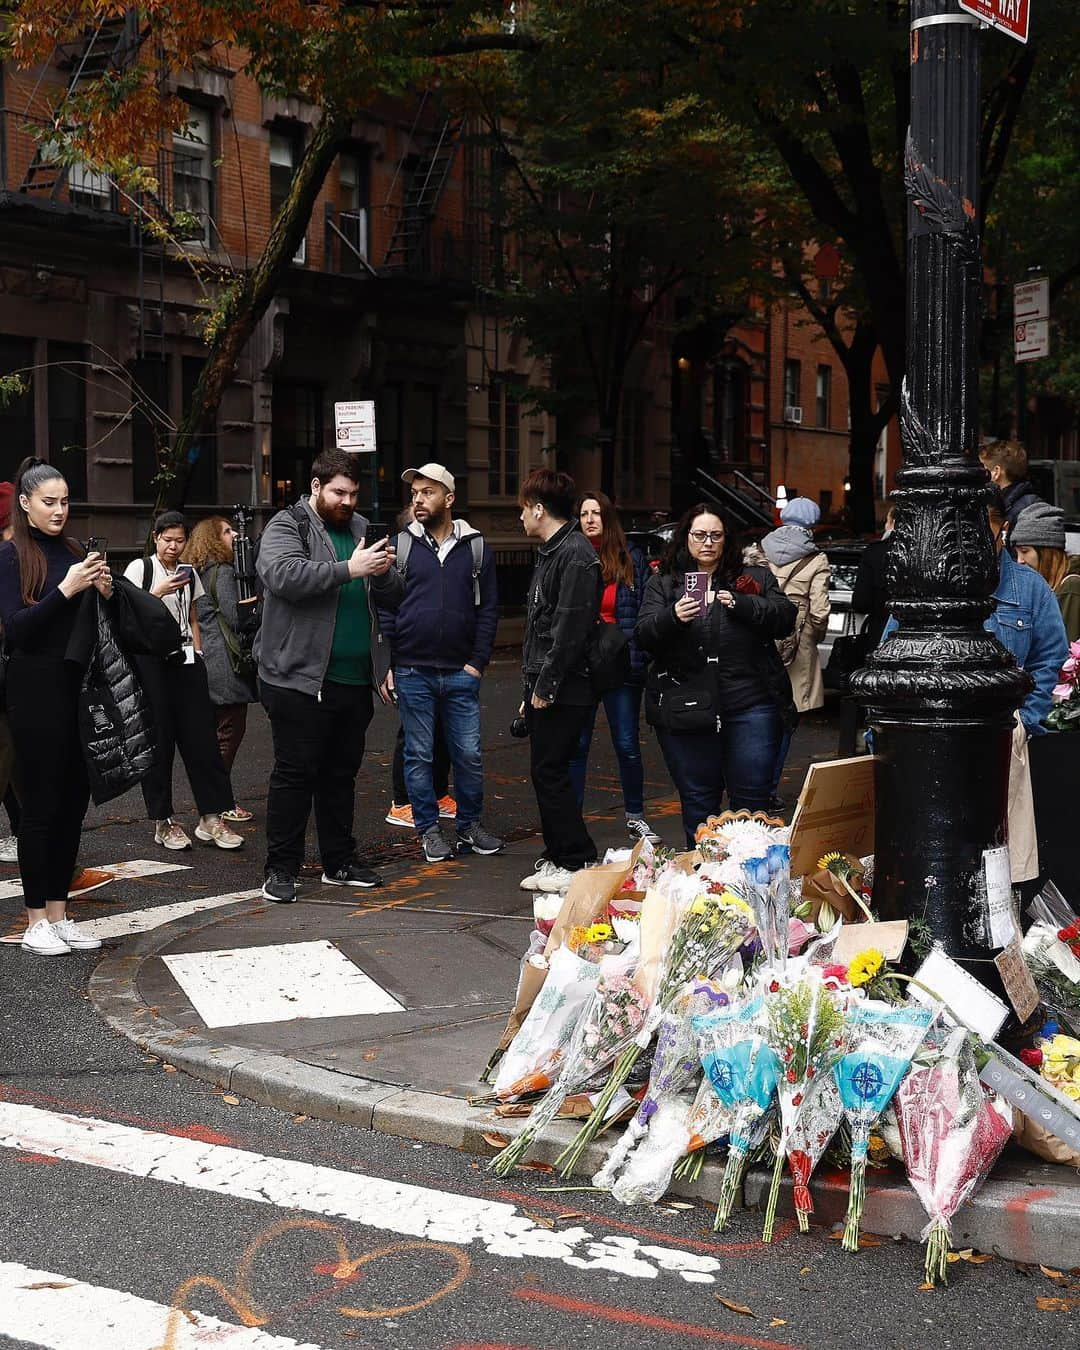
(390, 1206)
(144, 920)
(131, 870)
(59, 1313)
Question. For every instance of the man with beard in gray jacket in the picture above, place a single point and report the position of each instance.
(320, 655)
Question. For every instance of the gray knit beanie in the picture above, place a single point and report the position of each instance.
(1039, 525)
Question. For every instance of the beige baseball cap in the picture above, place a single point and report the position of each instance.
(438, 473)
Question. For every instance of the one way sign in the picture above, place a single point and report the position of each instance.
(1011, 16)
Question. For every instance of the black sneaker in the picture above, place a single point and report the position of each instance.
(352, 874)
(279, 887)
(435, 847)
(475, 839)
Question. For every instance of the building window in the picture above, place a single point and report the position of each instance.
(286, 149)
(297, 435)
(825, 502)
(67, 374)
(504, 440)
(823, 395)
(87, 187)
(150, 375)
(632, 445)
(201, 484)
(792, 381)
(353, 184)
(193, 171)
(17, 415)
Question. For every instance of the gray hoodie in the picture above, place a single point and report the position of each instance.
(787, 544)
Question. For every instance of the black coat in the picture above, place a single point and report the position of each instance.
(562, 607)
(730, 652)
(115, 724)
(871, 593)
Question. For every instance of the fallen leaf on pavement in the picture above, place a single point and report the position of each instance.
(495, 1140)
(678, 1204)
(735, 1307)
(926, 1285)
(540, 1219)
(778, 1322)
(570, 1214)
(1051, 1273)
(47, 1284)
(230, 1100)
(1045, 1304)
(805, 1270)
(978, 1258)
(537, 1167)
(369, 1055)
(169, 1068)
(513, 1110)
(297, 1120)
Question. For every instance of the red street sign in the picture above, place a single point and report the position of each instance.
(1011, 16)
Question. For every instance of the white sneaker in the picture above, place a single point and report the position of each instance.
(68, 931)
(9, 849)
(554, 880)
(170, 835)
(44, 940)
(532, 881)
(213, 830)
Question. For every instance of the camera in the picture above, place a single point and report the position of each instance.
(519, 728)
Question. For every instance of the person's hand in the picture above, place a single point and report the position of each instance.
(726, 599)
(104, 583)
(687, 608)
(170, 585)
(82, 575)
(386, 689)
(375, 561)
(471, 670)
(538, 702)
(521, 708)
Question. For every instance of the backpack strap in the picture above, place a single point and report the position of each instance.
(476, 543)
(402, 548)
(147, 573)
(299, 513)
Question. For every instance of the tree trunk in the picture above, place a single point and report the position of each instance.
(243, 304)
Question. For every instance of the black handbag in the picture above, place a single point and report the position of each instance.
(848, 655)
(607, 657)
(686, 707)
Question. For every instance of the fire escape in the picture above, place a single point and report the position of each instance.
(413, 248)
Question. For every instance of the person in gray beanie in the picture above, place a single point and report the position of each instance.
(802, 572)
(1038, 540)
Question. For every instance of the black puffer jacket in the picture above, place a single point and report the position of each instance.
(732, 651)
(562, 607)
(114, 716)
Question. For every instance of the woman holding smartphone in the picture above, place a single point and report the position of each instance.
(43, 576)
(180, 698)
(716, 690)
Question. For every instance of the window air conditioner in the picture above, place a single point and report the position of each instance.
(793, 415)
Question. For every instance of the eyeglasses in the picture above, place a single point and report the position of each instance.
(706, 536)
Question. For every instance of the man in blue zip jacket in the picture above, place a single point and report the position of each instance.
(441, 638)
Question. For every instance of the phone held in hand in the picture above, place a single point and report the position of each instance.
(695, 587)
(376, 534)
(186, 571)
(97, 544)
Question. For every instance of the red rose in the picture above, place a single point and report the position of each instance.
(810, 1072)
(774, 988)
(797, 1099)
(1032, 1058)
(792, 1076)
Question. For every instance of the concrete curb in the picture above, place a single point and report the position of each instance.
(1025, 1212)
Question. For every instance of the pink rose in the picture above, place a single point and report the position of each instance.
(1074, 649)
(1061, 693)
(1070, 666)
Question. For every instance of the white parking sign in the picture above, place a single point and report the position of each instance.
(354, 425)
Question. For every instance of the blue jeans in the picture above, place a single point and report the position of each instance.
(422, 692)
(781, 757)
(621, 707)
(740, 756)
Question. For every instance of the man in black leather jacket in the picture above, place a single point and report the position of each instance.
(562, 607)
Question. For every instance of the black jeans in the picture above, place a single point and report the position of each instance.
(440, 767)
(318, 749)
(184, 720)
(42, 700)
(554, 736)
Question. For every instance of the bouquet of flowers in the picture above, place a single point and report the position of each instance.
(880, 1042)
(613, 1019)
(533, 1059)
(710, 932)
(726, 842)
(675, 1069)
(805, 1029)
(707, 1121)
(743, 1070)
(766, 883)
(818, 1119)
(1065, 714)
(1055, 968)
(953, 1131)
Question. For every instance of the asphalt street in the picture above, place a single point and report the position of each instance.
(139, 1205)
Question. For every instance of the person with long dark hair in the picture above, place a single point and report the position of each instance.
(716, 689)
(626, 573)
(43, 572)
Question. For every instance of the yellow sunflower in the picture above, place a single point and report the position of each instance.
(865, 966)
(827, 860)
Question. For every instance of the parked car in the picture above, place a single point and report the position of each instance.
(844, 561)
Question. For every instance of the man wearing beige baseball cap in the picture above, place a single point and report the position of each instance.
(441, 638)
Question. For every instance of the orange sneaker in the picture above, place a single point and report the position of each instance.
(400, 815)
(447, 808)
(89, 879)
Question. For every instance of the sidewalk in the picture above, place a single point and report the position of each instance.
(444, 942)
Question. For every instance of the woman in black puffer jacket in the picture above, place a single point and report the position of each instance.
(626, 574)
(716, 690)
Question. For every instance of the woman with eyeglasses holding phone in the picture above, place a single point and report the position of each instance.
(716, 690)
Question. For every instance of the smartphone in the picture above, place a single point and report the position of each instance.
(696, 585)
(185, 570)
(375, 534)
(97, 544)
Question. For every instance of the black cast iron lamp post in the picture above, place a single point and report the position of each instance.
(941, 692)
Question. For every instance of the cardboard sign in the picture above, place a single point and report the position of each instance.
(835, 811)
(964, 998)
(890, 939)
(1017, 980)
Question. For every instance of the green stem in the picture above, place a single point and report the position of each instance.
(774, 1195)
(856, 1197)
(729, 1187)
(803, 1216)
(571, 1155)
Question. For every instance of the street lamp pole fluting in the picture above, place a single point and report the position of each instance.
(941, 692)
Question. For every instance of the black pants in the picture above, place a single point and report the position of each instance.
(183, 720)
(42, 700)
(440, 767)
(318, 749)
(554, 736)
